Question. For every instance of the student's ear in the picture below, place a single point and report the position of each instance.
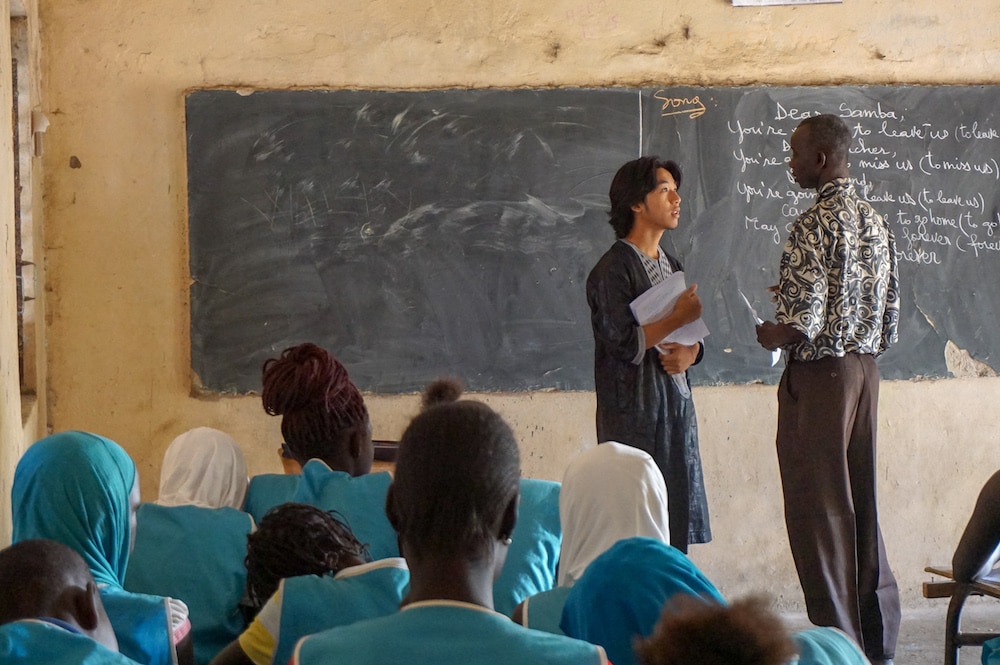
(91, 617)
(509, 519)
(85, 610)
(356, 442)
(390, 507)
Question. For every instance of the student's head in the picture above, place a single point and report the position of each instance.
(819, 147)
(691, 631)
(323, 415)
(455, 488)
(43, 578)
(633, 181)
(623, 591)
(203, 467)
(81, 490)
(609, 492)
(295, 539)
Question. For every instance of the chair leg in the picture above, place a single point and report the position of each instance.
(953, 623)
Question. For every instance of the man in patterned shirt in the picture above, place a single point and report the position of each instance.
(837, 309)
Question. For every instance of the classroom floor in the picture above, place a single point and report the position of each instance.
(921, 635)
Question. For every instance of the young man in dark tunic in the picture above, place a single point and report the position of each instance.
(643, 396)
(837, 309)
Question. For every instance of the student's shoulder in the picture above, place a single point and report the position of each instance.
(616, 259)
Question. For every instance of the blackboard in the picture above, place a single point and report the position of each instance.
(450, 232)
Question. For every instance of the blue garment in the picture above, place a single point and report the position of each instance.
(622, 592)
(534, 550)
(443, 632)
(310, 604)
(194, 554)
(991, 652)
(361, 500)
(31, 642)
(543, 611)
(74, 488)
(269, 490)
(142, 625)
(828, 646)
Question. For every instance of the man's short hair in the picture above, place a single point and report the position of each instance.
(829, 134)
(633, 181)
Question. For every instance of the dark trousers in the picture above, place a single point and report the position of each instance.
(827, 419)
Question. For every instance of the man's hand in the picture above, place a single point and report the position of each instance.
(773, 335)
(676, 358)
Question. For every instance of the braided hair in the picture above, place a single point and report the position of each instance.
(316, 398)
(297, 539)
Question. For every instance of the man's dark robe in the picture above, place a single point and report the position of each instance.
(639, 404)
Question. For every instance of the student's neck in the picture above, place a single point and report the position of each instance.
(451, 578)
(343, 462)
(646, 239)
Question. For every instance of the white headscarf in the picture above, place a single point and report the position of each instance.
(609, 492)
(203, 467)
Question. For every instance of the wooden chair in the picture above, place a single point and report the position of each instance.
(954, 637)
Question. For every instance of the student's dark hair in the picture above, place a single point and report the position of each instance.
(442, 391)
(691, 630)
(457, 470)
(296, 539)
(633, 181)
(316, 398)
(34, 575)
(829, 134)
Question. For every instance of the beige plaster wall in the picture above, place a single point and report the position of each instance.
(115, 75)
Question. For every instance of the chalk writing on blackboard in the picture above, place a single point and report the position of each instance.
(422, 233)
(691, 107)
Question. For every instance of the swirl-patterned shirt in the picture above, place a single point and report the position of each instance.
(839, 282)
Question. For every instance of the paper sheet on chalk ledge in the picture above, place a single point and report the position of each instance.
(659, 301)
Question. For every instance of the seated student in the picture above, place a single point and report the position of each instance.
(453, 503)
(692, 631)
(326, 428)
(82, 490)
(190, 544)
(531, 562)
(51, 610)
(979, 547)
(609, 492)
(620, 595)
(314, 575)
(533, 558)
(267, 490)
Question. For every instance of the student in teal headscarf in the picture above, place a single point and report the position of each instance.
(621, 593)
(82, 490)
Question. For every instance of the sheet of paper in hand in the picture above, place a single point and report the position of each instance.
(659, 301)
